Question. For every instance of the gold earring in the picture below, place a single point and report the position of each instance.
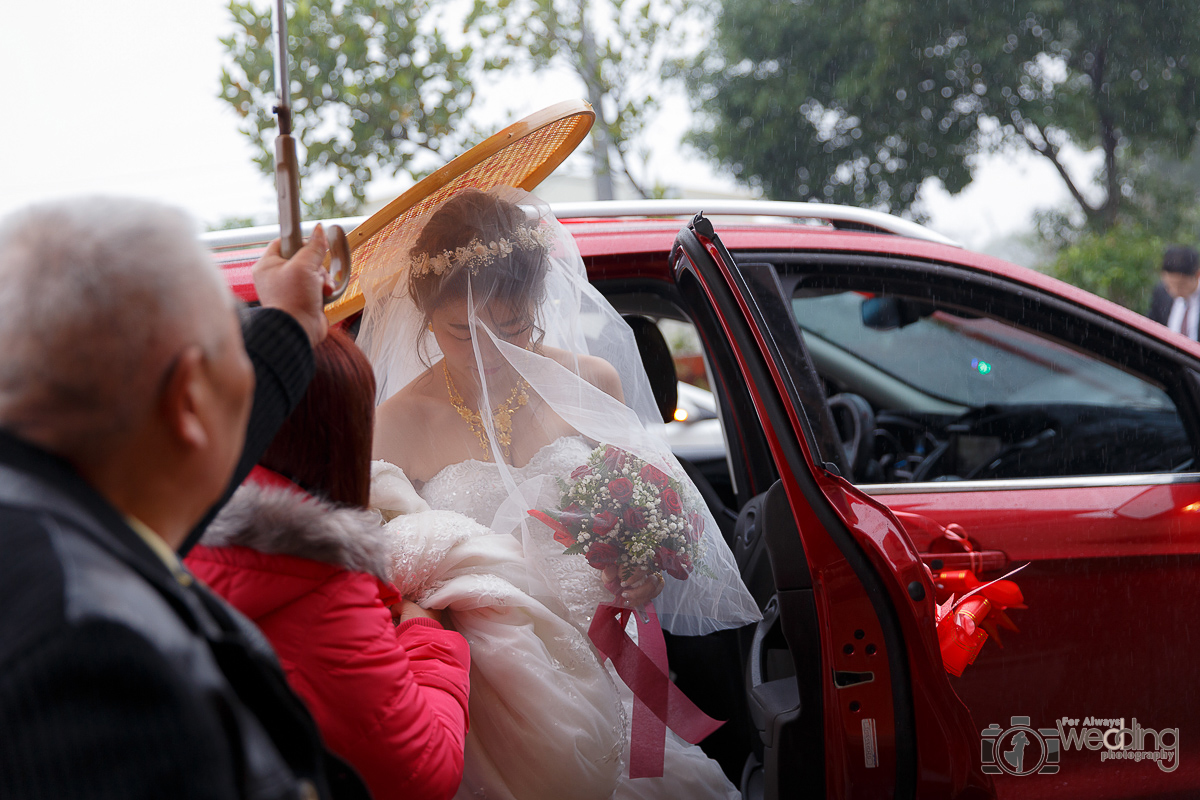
(430, 326)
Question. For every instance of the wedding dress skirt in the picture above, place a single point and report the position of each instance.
(548, 719)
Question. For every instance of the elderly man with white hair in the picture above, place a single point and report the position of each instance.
(131, 401)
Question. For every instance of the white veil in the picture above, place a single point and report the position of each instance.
(573, 325)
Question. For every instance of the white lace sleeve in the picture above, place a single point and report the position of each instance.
(392, 492)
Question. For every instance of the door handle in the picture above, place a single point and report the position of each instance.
(973, 560)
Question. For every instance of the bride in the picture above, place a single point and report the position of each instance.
(502, 376)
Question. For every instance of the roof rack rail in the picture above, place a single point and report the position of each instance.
(842, 217)
(262, 235)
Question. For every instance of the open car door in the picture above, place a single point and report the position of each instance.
(845, 681)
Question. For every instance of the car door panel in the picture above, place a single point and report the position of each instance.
(784, 678)
(1031, 524)
(1112, 584)
(1109, 560)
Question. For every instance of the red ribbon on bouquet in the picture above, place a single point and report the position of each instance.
(658, 704)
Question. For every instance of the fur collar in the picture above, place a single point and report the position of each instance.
(288, 522)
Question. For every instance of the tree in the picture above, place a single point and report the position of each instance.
(615, 47)
(860, 102)
(1120, 264)
(373, 86)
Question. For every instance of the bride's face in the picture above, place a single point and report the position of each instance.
(452, 329)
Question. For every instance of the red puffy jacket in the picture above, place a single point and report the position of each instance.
(390, 700)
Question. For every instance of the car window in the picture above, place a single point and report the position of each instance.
(970, 360)
(686, 351)
(696, 432)
(959, 396)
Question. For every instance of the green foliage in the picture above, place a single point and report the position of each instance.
(1121, 264)
(861, 101)
(615, 47)
(234, 223)
(373, 85)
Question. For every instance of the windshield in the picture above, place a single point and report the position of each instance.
(972, 361)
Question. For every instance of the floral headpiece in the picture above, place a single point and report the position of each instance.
(475, 253)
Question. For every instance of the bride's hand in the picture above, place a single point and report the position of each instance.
(406, 610)
(635, 591)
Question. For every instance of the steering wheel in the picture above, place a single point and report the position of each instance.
(855, 421)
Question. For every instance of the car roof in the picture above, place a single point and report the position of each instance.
(620, 239)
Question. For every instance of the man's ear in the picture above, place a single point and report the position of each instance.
(183, 399)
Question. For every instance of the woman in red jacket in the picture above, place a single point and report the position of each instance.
(298, 553)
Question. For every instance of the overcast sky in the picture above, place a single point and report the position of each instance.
(120, 97)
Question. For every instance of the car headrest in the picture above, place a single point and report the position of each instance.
(660, 367)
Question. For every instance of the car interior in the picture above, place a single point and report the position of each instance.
(931, 383)
(943, 392)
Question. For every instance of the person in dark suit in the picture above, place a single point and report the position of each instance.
(1175, 301)
(131, 400)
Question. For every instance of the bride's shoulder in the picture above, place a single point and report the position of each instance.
(402, 423)
(420, 393)
(593, 369)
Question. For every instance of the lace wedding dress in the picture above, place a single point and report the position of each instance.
(547, 718)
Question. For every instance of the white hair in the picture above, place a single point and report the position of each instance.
(97, 295)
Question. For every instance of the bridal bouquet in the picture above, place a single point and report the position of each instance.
(618, 510)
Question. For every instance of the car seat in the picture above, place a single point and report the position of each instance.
(664, 385)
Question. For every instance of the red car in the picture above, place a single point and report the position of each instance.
(895, 410)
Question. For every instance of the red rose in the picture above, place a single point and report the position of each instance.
(604, 522)
(614, 459)
(635, 518)
(670, 501)
(678, 565)
(695, 526)
(654, 476)
(581, 472)
(621, 489)
(602, 554)
(563, 537)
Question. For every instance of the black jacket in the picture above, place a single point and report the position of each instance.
(121, 679)
(1160, 304)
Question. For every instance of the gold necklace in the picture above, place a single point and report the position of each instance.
(501, 414)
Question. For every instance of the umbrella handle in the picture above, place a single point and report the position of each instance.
(287, 173)
(287, 186)
(339, 262)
